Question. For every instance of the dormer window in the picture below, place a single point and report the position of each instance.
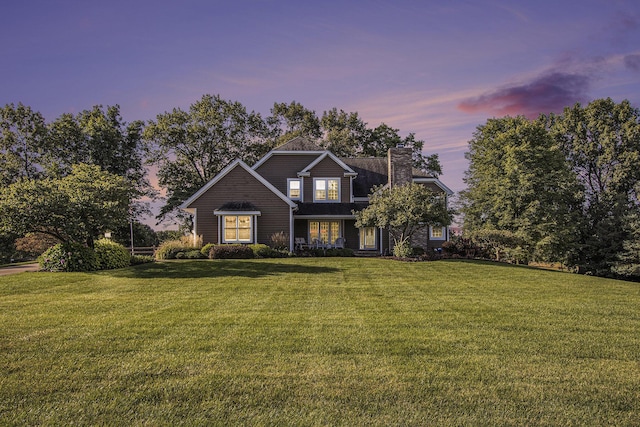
(326, 189)
(294, 188)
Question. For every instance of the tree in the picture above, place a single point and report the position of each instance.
(98, 137)
(143, 235)
(497, 241)
(343, 132)
(76, 208)
(191, 147)
(22, 143)
(34, 244)
(519, 182)
(628, 262)
(404, 210)
(602, 143)
(376, 142)
(288, 121)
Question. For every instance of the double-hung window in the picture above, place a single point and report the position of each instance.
(237, 229)
(294, 188)
(326, 189)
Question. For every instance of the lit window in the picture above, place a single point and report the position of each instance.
(294, 189)
(437, 233)
(368, 238)
(237, 228)
(326, 189)
(324, 231)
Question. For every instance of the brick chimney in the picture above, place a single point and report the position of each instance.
(400, 165)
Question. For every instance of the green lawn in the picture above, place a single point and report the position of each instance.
(319, 341)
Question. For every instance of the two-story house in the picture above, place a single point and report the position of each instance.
(306, 192)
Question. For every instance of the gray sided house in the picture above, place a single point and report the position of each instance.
(307, 193)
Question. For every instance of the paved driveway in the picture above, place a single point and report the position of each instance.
(18, 269)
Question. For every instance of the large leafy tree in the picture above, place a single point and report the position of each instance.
(518, 181)
(628, 262)
(602, 143)
(190, 147)
(78, 207)
(22, 143)
(404, 210)
(343, 132)
(99, 137)
(288, 121)
(377, 141)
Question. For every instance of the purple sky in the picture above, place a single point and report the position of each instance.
(435, 68)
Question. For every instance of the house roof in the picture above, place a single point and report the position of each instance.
(299, 143)
(343, 165)
(223, 173)
(371, 171)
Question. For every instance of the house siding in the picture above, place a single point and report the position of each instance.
(240, 185)
(278, 168)
(351, 235)
(327, 168)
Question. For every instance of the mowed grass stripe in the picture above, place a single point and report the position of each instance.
(319, 341)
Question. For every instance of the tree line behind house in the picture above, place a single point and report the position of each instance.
(557, 189)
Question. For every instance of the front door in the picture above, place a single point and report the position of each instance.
(367, 238)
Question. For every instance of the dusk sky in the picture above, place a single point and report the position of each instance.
(438, 69)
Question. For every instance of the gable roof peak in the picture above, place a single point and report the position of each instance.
(299, 143)
(231, 166)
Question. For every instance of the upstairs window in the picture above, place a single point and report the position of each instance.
(294, 189)
(326, 189)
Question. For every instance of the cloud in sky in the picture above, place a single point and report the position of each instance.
(546, 93)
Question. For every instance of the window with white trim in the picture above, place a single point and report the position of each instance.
(368, 238)
(294, 188)
(237, 229)
(324, 231)
(437, 233)
(326, 189)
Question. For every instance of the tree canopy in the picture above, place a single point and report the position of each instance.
(404, 210)
(519, 181)
(22, 143)
(78, 207)
(601, 141)
(190, 147)
(98, 137)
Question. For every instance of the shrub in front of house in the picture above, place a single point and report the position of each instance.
(68, 257)
(279, 240)
(170, 249)
(206, 249)
(194, 254)
(178, 249)
(402, 250)
(111, 255)
(417, 251)
(263, 251)
(231, 252)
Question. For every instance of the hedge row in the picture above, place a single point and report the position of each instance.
(106, 255)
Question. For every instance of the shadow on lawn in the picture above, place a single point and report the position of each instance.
(221, 268)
